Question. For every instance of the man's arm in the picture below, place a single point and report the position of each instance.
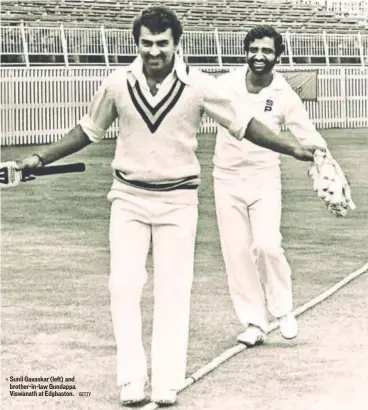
(226, 108)
(296, 119)
(91, 128)
(73, 141)
(261, 135)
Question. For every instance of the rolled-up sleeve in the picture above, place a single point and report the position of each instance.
(225, 107)
(101, 112)
(297, 120)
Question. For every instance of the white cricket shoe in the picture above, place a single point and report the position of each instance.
(164, 397)
(132, 393)
(252, 336)
(288, 326)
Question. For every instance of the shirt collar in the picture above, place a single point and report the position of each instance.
(278, 82)
(135, 70)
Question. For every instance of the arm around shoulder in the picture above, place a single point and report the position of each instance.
(223, 105)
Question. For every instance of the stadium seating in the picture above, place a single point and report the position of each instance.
(237, 15)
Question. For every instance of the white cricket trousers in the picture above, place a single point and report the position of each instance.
(259, 276)
(134, 222)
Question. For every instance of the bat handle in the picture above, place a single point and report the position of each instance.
(54, 169)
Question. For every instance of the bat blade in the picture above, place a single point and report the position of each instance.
(4, 175)
(9, 175)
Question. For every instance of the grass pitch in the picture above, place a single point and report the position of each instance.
(55, 302)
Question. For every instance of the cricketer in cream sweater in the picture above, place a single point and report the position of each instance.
(247, 188)
(167, 158)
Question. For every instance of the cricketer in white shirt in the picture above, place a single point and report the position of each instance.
(247, 186)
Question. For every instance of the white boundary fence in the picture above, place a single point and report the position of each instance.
(38, 105)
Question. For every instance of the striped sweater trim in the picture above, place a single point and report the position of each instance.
(184, 183)
(153, 116)
(154, 110)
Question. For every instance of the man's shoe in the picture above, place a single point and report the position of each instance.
(132, 393)
(288, 326)
(164, 397)
(252, 336)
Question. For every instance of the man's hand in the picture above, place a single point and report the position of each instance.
(306, 152)
(73, 141)
(33, 161)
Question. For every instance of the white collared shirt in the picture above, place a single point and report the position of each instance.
(274, 105)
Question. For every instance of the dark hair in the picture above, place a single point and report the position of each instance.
(157, 19)
(261, 31)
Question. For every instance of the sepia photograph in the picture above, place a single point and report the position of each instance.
(184, 204)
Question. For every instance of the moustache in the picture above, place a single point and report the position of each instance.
(266, 64)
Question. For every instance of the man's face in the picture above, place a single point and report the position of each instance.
(261, 56)
(156, 50)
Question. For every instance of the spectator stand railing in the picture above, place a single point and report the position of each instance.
(27, 46)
